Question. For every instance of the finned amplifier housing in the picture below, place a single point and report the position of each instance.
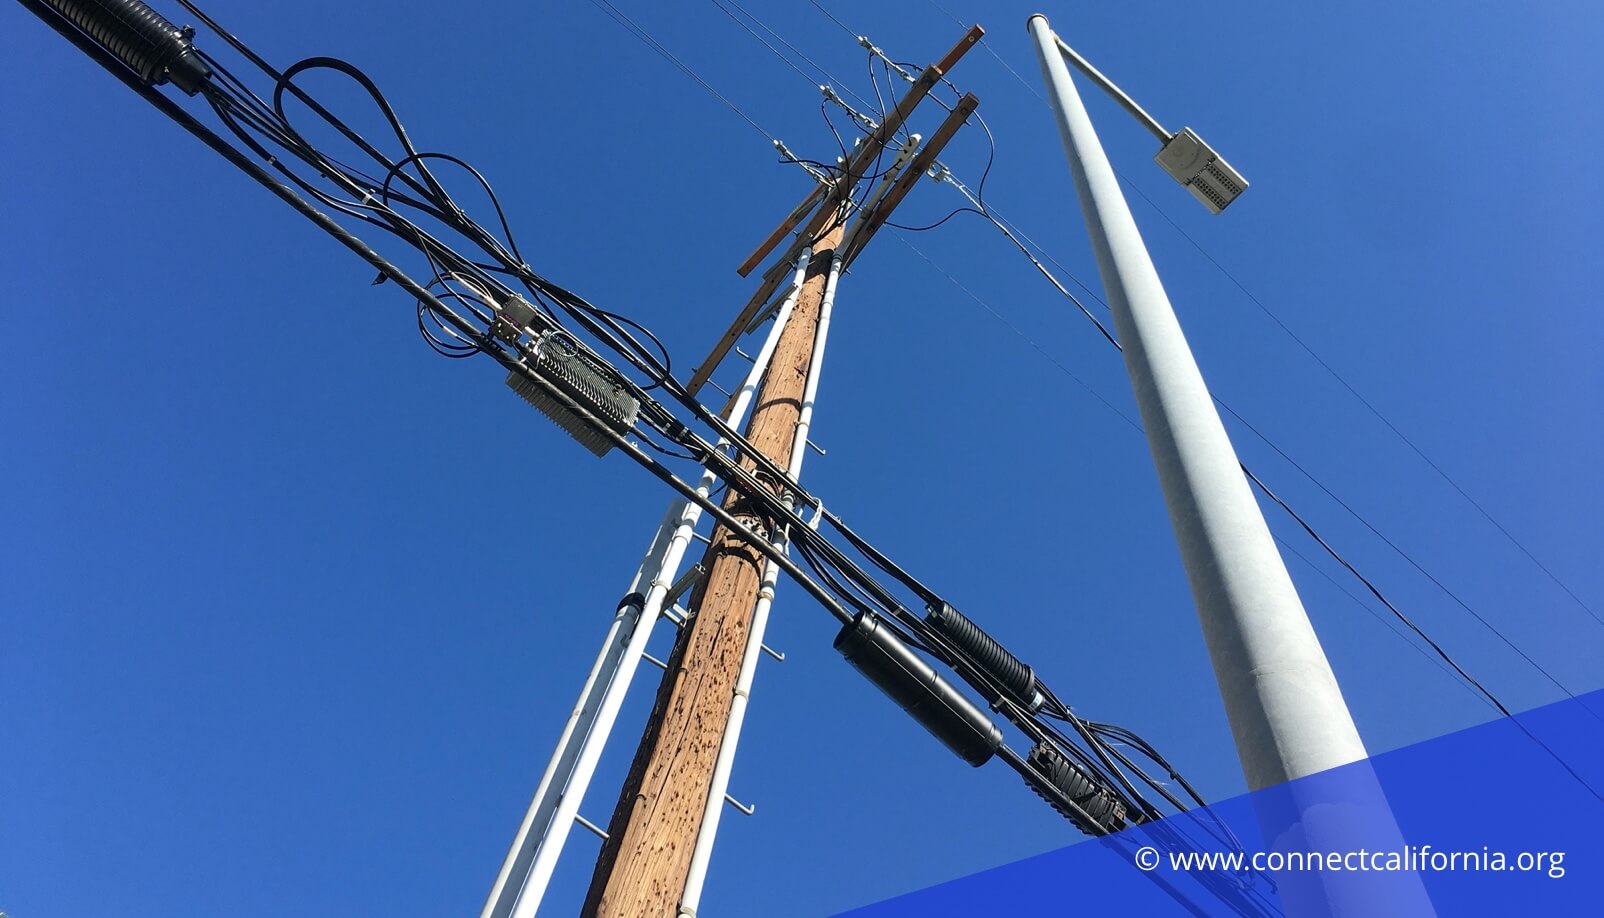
(1096, 802)
(596, 387)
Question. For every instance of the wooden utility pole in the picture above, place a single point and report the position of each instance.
(647, 855)
(651, 838)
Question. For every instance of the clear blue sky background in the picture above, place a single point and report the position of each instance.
(291, 609)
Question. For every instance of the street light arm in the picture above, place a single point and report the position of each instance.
(1183, 155)
(1125, 101)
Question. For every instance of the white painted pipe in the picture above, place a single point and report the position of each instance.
(904, 153)
(525, 873)
(575, 732)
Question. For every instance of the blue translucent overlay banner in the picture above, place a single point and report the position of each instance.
(1500, 819)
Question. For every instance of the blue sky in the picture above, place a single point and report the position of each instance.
(291, 609)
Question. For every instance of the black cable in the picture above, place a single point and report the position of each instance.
(418, 158)
(1390, 624)
(1399, 551)
(465, 336)
(384, 190)
(1492, 699)
(1110, 338)
(1422, 634)
(921, 229)
(1369, 406)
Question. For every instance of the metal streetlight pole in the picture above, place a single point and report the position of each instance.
(1286, 711)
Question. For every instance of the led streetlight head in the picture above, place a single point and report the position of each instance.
(1194, 164)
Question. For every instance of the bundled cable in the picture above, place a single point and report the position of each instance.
(492, 302)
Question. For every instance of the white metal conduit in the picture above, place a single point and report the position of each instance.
(526, 872)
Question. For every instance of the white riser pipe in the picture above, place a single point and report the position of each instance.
(525, 873)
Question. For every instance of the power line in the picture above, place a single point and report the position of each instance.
(844, 27)
(1324, 364)
(830, 77)
(1370, 406)
(1391, 624)
(635, 29)
(983, 210)
(1422, 634)
(1443, 658)
(1016, 330)
(1110, 338)
(1298, 518)
(1390, 544)
(1284, 506)
(775, 51)
(1368, 525)
(989, 50)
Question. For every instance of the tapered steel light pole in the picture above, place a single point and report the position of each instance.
(1286, 711)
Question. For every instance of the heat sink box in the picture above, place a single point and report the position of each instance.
(559, 360)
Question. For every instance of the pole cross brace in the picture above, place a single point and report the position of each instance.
(686, 580)
(771, 310)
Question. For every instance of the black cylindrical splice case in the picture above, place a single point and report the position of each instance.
(139, 37)
(911, 682)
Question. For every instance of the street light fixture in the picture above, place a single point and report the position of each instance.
(1184, 155)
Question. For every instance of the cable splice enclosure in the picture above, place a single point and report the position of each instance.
(1103, 807)
(1018, 678)
(915, 686)
(587, 379)
(140, 37)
